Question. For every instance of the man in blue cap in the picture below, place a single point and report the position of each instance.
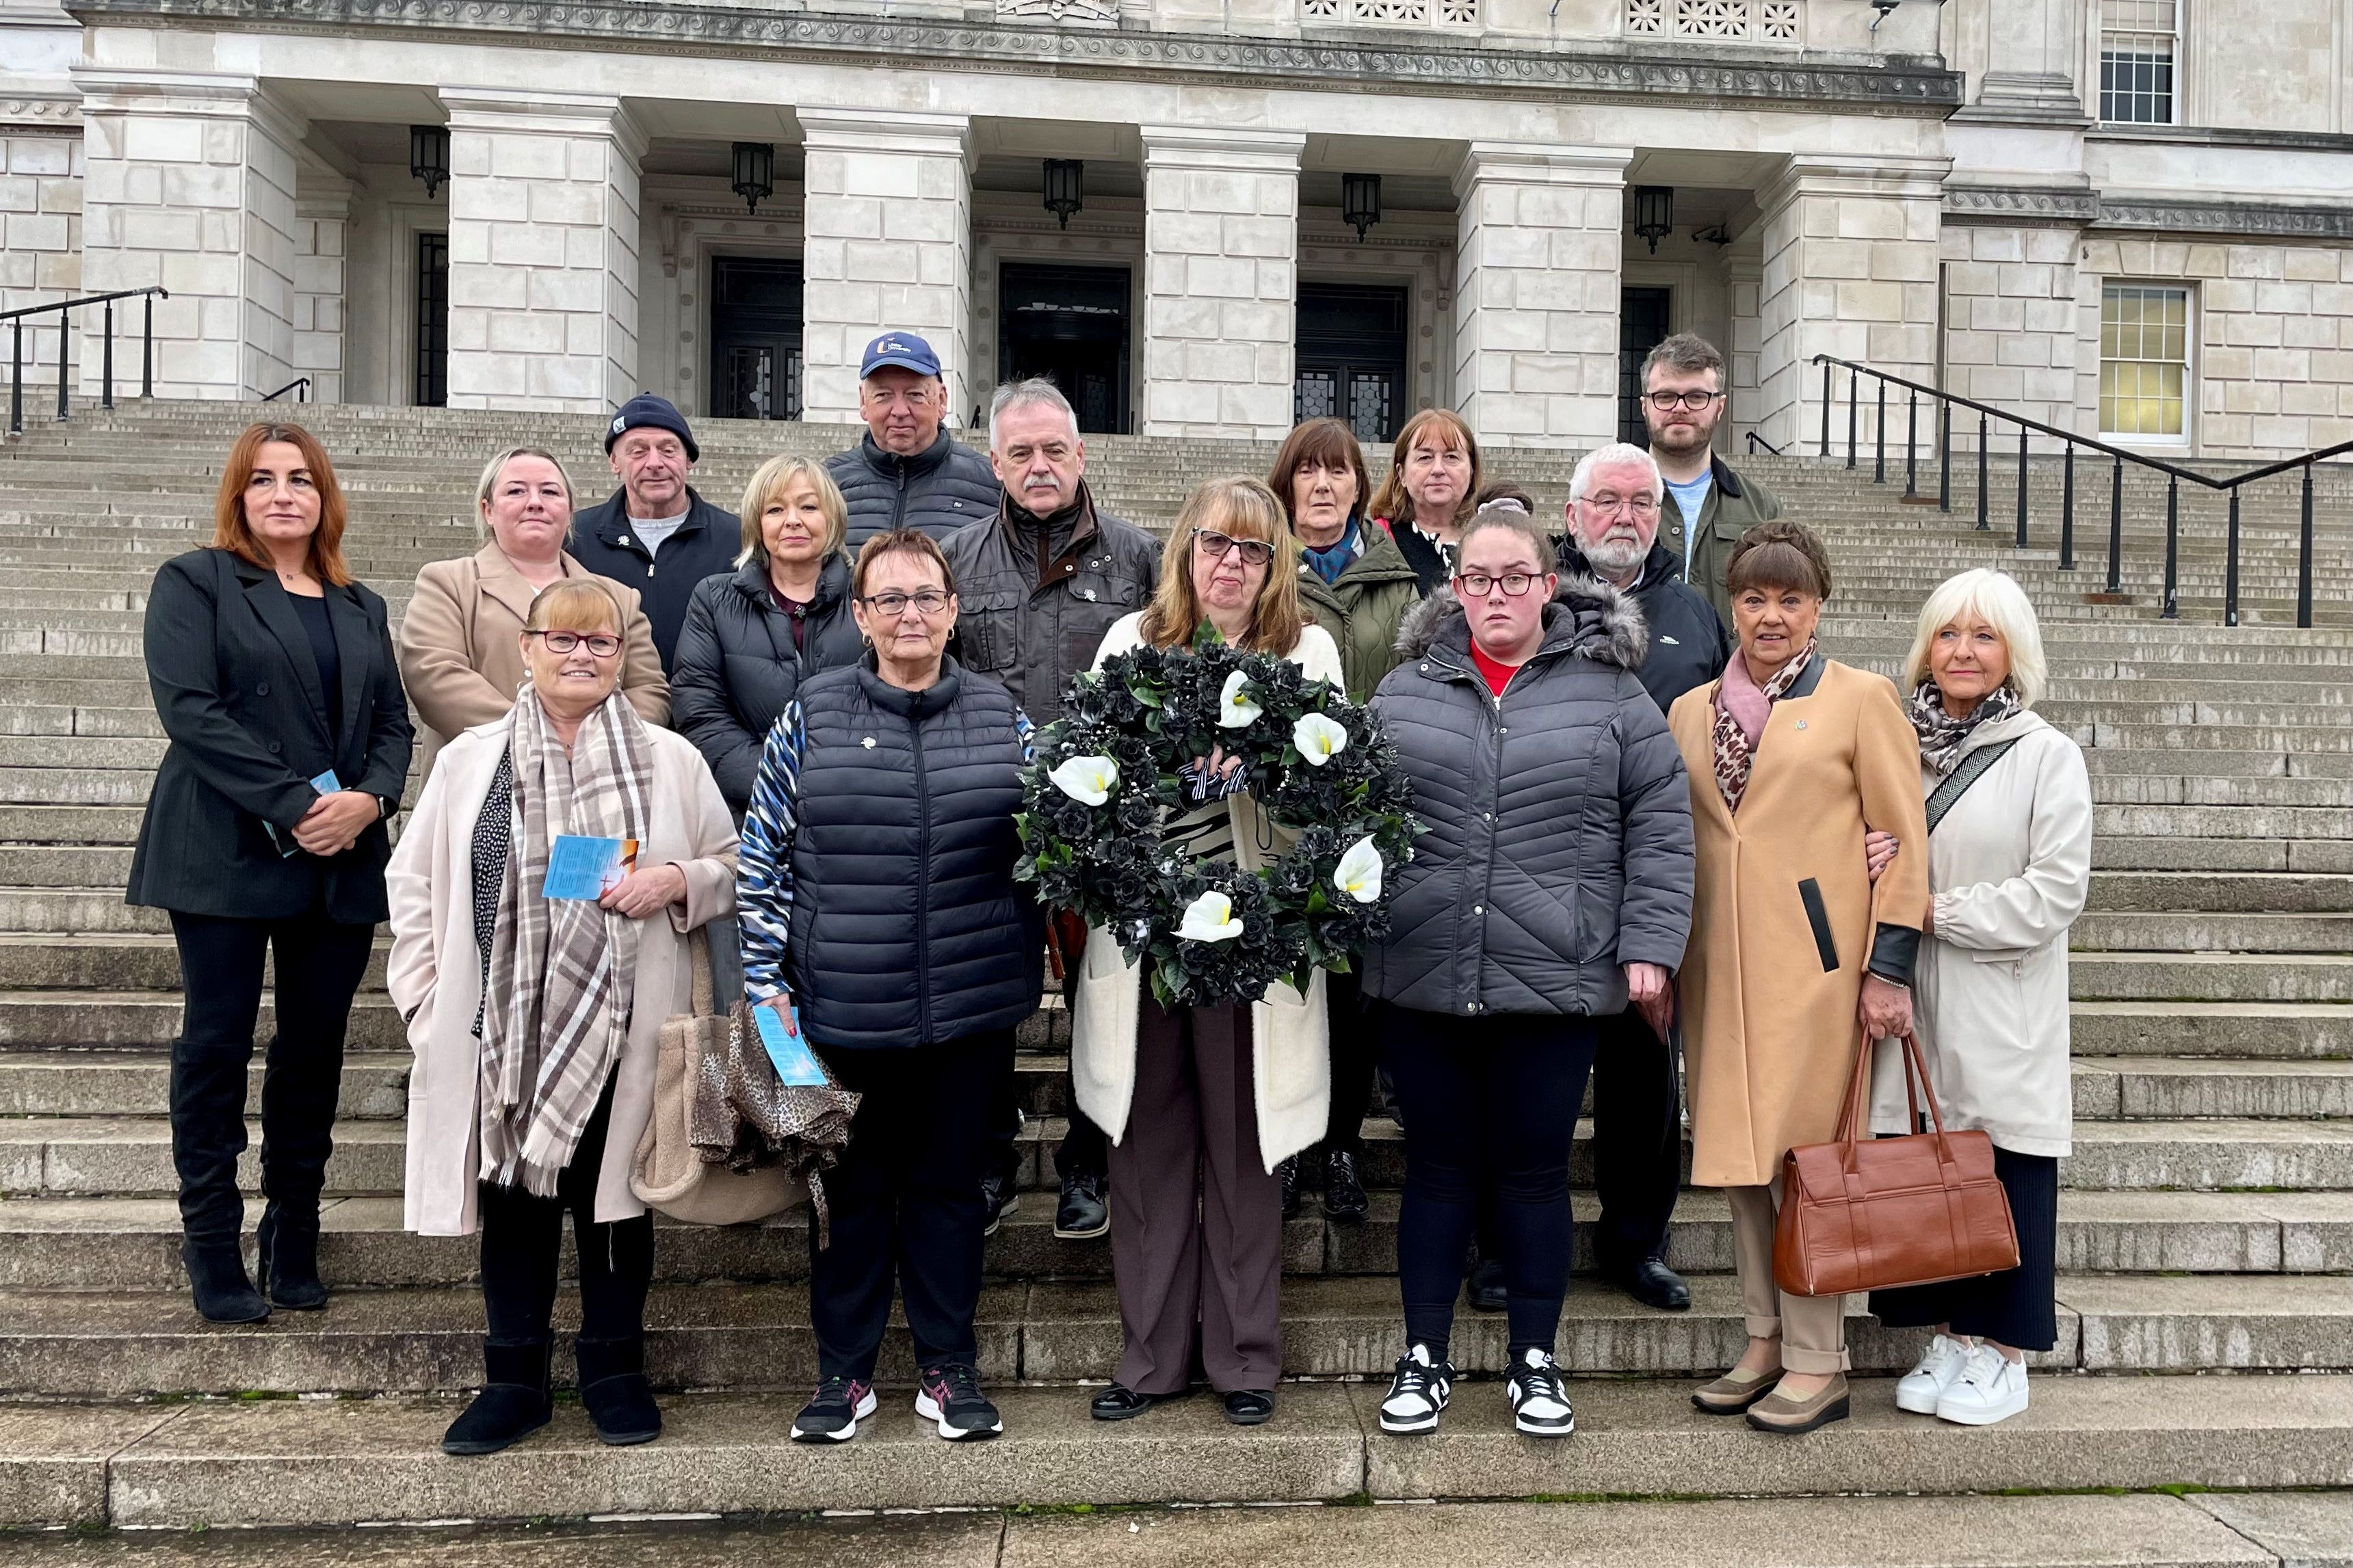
(908, 471)
(656, 533)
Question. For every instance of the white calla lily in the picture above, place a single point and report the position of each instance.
(1087, 780)
(1236, 710)
(1318, 738)
(1209, 918)
(1358, 875)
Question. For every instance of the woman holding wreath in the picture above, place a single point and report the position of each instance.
(1201, 1102)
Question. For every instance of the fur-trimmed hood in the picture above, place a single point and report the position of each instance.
(1586, 617)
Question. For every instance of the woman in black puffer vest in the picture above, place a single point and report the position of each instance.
(882, 920)
(1554, 878)
(753, 635)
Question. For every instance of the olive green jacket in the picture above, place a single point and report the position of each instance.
(1734, 506)
(1362, 610)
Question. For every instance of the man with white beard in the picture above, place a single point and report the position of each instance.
(1613, 527)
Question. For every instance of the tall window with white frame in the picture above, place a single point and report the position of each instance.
(2140, 51)
(2144, 361)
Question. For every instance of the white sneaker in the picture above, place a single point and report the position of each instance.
(1938, 1368)
(1539, 1404)
(1991, 1388)
(1418, 1393)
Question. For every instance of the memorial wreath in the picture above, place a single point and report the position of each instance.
(1131, 749)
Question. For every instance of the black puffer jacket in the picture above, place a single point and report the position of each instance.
(737, 666)
(937, 491)
(1560, 838)
(1689, 644)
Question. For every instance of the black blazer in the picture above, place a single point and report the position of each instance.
(238, 691)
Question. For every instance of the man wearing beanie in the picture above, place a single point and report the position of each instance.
(655, 533)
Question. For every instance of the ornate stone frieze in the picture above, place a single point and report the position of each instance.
(21, 113)
(1200, 57)
(2088, 209)
(1096, 11)
(2023, 203)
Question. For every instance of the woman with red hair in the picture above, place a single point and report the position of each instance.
(274, 677)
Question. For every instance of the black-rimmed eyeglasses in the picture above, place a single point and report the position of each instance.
(600, 645)
(1476, 584)
(929, 602)
(1667, 402)
(1217, 546)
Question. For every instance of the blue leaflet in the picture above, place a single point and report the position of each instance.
(796, 1067)
(583, 867)
(327, 783)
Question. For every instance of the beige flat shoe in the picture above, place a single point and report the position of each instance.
(1778, 1413)
(1734, 1392)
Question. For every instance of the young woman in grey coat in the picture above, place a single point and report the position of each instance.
(1553, 884)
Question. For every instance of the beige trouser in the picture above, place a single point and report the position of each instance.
(1812, 1327)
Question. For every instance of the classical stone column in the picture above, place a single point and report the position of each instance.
(542, 250)
(1539, 247)
(189, 183)
(1221, 265)
(887, 220)
(1849, 251)
(323, 206)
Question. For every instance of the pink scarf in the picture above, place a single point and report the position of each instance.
(1742, 706)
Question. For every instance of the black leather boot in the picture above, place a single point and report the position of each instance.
(217, 1277)
(613, 1388)
(289, 1255)
(513, 1403)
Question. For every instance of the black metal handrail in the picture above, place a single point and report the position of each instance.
(16, 320)
(1986, 413)
(1755, 441)
(300, 386)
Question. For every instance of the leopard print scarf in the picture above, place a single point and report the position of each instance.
(1735, 753)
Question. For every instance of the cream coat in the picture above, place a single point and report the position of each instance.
(1290, 1063)
(2010, 866)
(463, 663)
(435, 975)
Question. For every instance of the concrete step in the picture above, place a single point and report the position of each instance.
(300, 1462)
(133, 1243)
(2109, 1089)
(2225, 1029)
(2215, 892)
(2210, 977)
(2143, 931)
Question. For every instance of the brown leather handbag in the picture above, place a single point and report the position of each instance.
(1861, 1213)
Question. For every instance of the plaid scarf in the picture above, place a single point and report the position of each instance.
(1735, 750)
(1942, 736)
(563, 972)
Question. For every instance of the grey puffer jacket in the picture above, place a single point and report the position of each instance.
(1558, 842)
(937, 491)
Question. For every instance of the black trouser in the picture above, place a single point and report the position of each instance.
(523, 1240)
(904, 1203)
(2017, 1306)
(1355, 1055)
(1638, 1145)
(318, 965)
(1083, 1152)
(1491, 1102)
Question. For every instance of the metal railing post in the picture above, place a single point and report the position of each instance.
(1983, 483)
(2231, 566)
(1944, 457)
(1912, 445)
(2172, 611)
(1826, 408)
(1879, 439)
(2021, 487)
(1853, 408)
(2067, 513)
(63, 316)
(105, 376)
(147, 350)
(2304, 557)
(17, 377)
(2117, 528)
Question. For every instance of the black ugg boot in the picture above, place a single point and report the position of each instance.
(217, 1278)
(289, 1255)
(513, 1403)
(613, 1388)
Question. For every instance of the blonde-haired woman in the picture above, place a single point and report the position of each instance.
(2009, 866)
(535, 1019)
(1202, 1102)
(753, 636)
(1431, 490)
(459, 639)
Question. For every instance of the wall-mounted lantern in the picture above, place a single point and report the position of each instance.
(428, 155)
(1066, 195)
(755, 173)
(1360, 201)
(1654, 212)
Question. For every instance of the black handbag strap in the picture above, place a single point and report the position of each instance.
(1974, 766)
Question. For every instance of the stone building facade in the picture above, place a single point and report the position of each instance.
(2126, 217)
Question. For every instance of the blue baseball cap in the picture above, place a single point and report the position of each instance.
(902, 349)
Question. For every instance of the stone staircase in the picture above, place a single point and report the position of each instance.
(2205, 1227)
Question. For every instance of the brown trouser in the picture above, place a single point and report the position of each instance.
(1195, 1218)
(1812, 1327)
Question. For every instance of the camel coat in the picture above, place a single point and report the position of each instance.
(1768, 999)
(461, 661)
(435, 974)
(1290, 1062)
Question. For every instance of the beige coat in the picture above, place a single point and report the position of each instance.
(1769, 1029)
(435, 975)
(461, 661)
(1290, 1063)
(2012, 866)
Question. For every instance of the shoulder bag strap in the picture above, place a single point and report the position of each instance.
(1974, 766)
(697, 954)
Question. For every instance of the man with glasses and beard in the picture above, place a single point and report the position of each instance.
(1709, 504)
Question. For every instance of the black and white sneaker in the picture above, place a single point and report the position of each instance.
(1418, 1393)
(950, 1398)
(834, 1411)
(1539, 1403)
